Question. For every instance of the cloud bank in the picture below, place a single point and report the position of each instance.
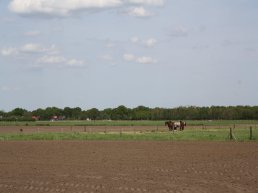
(30, 48)
(64, 8)
(46, 57)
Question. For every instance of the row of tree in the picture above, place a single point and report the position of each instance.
(138, 113)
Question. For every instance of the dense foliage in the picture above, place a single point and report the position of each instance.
(138, 113)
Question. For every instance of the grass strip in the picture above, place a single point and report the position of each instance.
(187, 135)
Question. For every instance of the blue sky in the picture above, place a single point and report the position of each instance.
(105, 53)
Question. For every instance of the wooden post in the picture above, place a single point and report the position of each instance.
(251, 133)
(230, 134)
(157, 129)
(120, 132)
(71, 128)
(105, 130)
(85, 128)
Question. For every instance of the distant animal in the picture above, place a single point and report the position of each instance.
(174, 125)
(171, 125)
(177, 125)
(182, 125)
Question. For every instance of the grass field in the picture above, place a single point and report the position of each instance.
(129, 123)
(187, 135)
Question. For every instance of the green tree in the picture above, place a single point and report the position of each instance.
(121, 113)
(18, 112)
(93, 113)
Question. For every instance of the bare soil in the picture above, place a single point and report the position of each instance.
(128, 167)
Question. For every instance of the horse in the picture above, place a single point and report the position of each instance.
(177, 125)
(182, 125)
(171, 125)
(174, 125)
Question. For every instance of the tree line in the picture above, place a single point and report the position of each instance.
(138, 113)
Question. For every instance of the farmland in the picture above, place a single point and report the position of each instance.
(128, 166)
(128, 157)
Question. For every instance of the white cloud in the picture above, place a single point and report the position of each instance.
(75, 63)
(29, 48)
(64, 8)
(59, 61)
(37, 48)
(9, 51)
(138, 12)
(51, 59)
(49, 55)
(148, 2)
(151, 42)
(33, 48)
(59, 7)
(141, 60)
(145, 60)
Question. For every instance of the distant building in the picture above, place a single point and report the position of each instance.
(57, 118)
(36, 118)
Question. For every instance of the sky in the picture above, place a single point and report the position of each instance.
(106, 53)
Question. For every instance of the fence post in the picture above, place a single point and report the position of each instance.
(230, 134)
(85, 128)
(251, 133)
(120, 132)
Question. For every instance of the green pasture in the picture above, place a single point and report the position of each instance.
(129, 123)
(186, 135)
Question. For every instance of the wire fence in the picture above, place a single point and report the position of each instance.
(234, 132)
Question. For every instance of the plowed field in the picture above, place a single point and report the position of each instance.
(128, 167)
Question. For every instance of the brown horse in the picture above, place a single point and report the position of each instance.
(182, 125)
(171, 125)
